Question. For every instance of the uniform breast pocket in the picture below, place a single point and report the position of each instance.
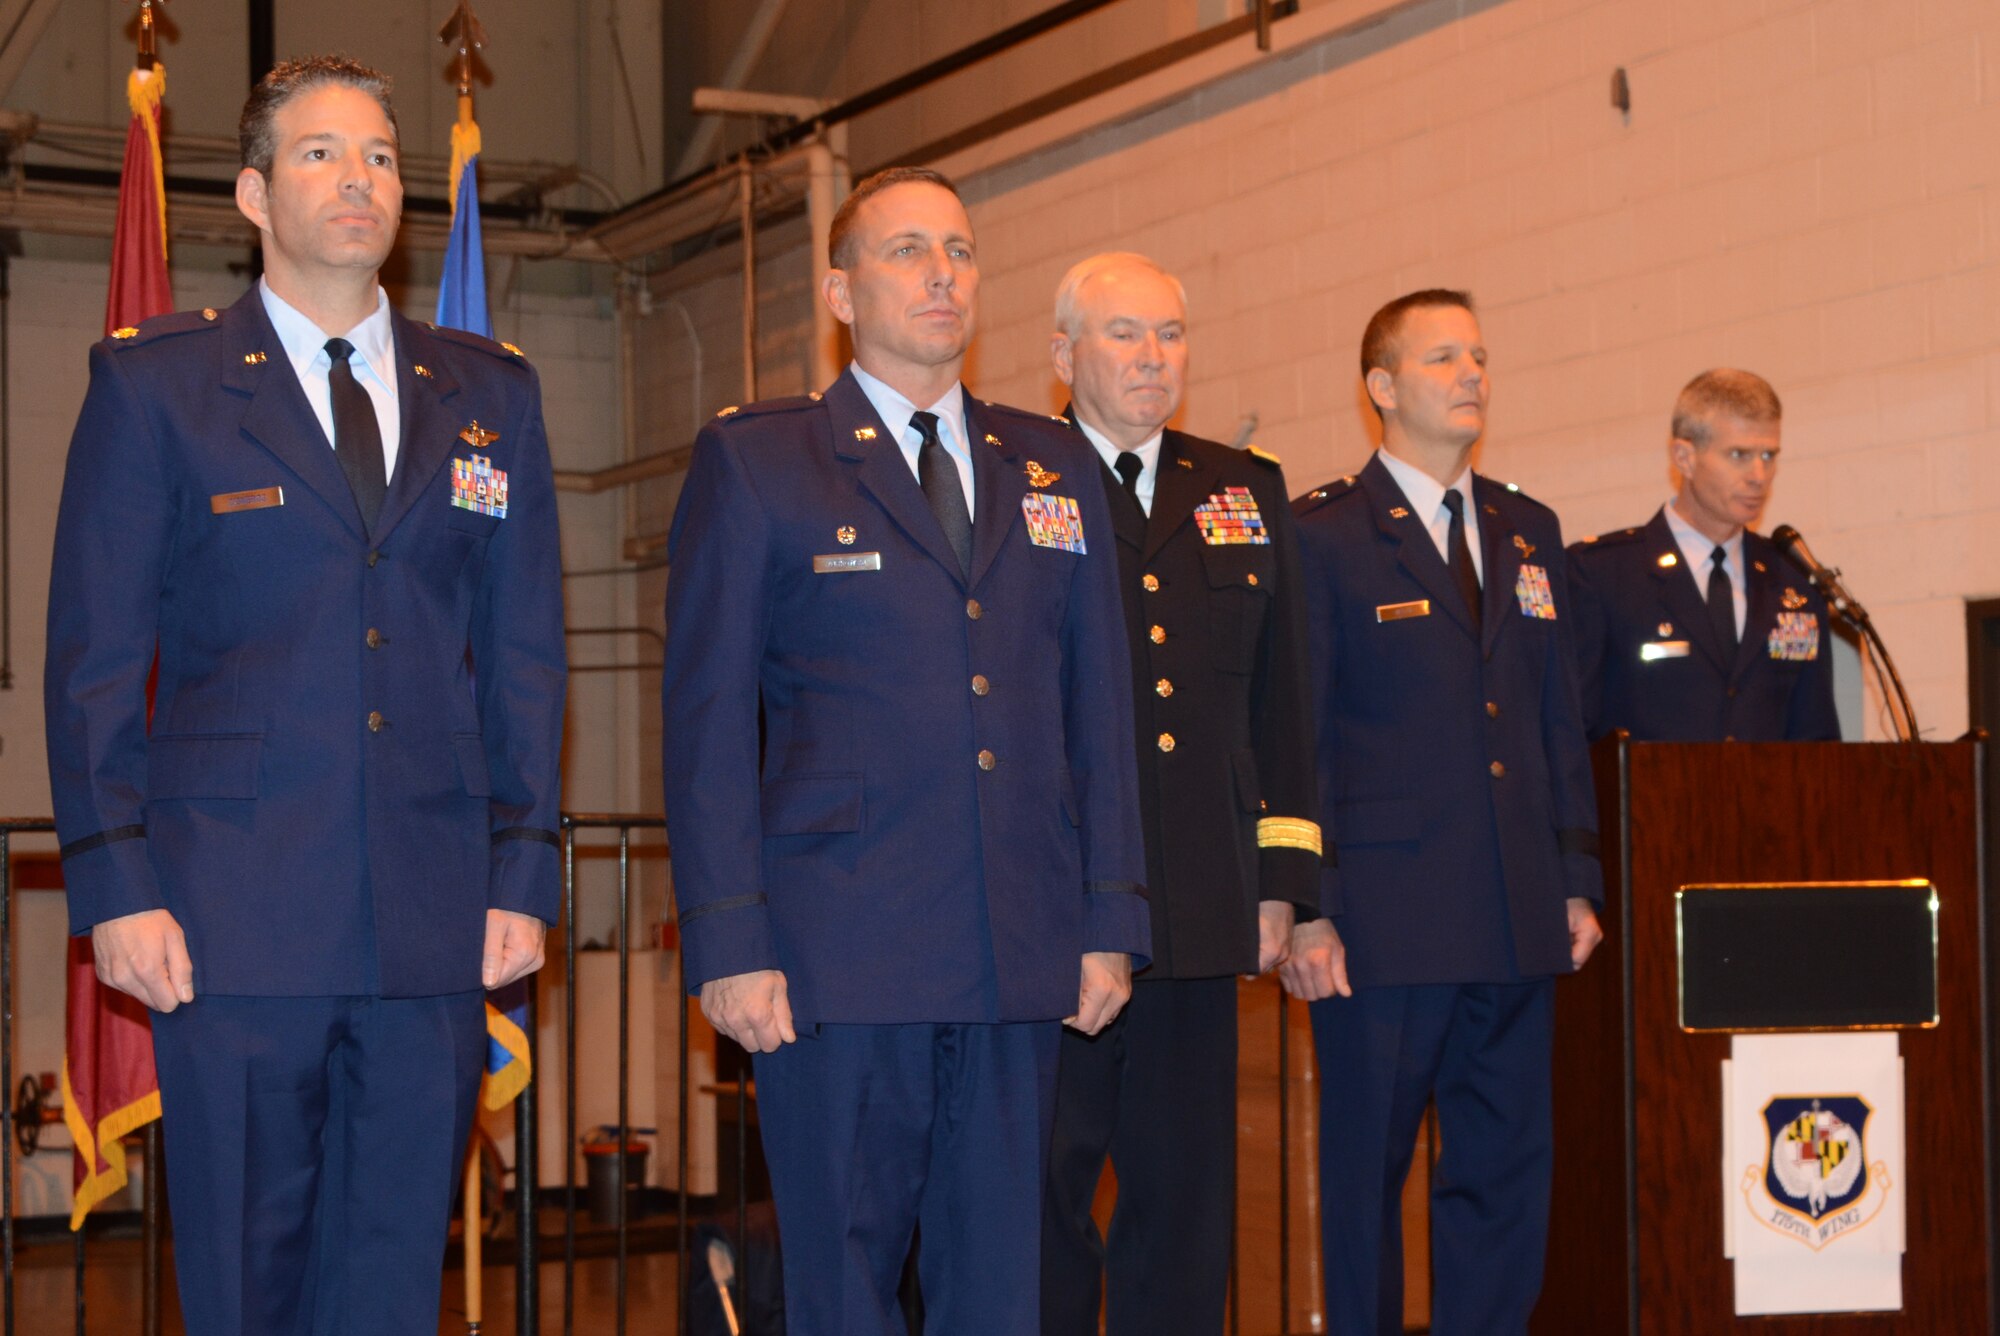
(474, 525)
(1239, 602)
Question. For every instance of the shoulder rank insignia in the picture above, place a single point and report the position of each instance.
(1263, 454)
(512, 349)
(479, 487)
(1524, 547)
(864, 433)
(126, 332)
(1399, 512)
(1184, 461)
(208, 313)
(477, 436)
(421, 370)
(1037, 475)
(1793, 600)
(253, 359)
(991, 439)
(1229, 517)
(1668, 561)
(729, 410)
(1053, 521)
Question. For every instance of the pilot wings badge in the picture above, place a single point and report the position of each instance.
(1037, 475)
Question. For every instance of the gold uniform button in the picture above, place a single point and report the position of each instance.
(1497, 770)
(374, 638)
(980, 686)
(973, 610)
(1253, 581)
(1166, 742)
(375, 721)
(1151, 584)
(986, 761)
(1492, 710)
(1163, 688)
(1158, 635)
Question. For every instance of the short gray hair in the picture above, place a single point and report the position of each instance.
(1722, 392)
(1069, 292)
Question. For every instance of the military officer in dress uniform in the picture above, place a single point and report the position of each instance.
(1208, 562)
(1691, 627)
(934, 857)
(337, 529)
(1461, 869)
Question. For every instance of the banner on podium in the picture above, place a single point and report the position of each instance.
(1814, 1196)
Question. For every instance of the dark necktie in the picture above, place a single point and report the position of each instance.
(1722, 600)
(357, 435)
(944, 490)
(1129, 466)
(1462, 571)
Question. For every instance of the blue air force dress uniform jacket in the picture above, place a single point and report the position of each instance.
(1459, 817)
(943, 816)
(353, 751)
(1455, 787)
(1651, 662)
(1215, 621)
(353, 755)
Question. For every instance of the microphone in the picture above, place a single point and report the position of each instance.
(1792, 545)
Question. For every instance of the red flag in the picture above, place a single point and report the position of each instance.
(109, 1085)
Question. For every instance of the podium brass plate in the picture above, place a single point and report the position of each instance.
(1850, 955)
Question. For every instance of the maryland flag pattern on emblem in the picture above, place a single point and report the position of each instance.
(479, 487)
(1795, 639)
(1231, 516)
(1053, 521)
(1531, 590)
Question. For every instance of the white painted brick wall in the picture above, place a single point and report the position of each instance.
(1808, 189)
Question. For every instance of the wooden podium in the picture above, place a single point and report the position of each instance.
(1635, 1241)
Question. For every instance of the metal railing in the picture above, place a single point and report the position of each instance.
(528, 1199)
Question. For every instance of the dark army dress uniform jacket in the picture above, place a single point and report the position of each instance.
(1216, 624)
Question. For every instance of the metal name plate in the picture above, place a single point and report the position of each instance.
(836, 562)
(260, 498)
(1396, 612)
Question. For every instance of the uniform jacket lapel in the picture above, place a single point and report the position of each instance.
(1127, 520)
(1177, 491)
(1683, 598)
(1500, 562)
(999, 481)
(1415, 552)
(277, 415)
(1760, 611)
(429, 431)
(860, 436)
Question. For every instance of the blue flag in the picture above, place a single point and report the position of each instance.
(462, 291)
(462, 305)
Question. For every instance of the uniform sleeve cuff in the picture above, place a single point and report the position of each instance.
(724, 938)
(526, 874)
(1288, 832)
(1116, 917)
(109, 875)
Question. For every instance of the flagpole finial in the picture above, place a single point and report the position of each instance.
(464, 31)
(149, 46)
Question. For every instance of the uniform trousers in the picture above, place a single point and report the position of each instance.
(314, 1146)
(1156, 1092)
(1484, 1053)
(871, 1130)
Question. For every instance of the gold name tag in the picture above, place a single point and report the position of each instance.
(1655, 650)
(847, 561)
(1396, 612)
(228, 503)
